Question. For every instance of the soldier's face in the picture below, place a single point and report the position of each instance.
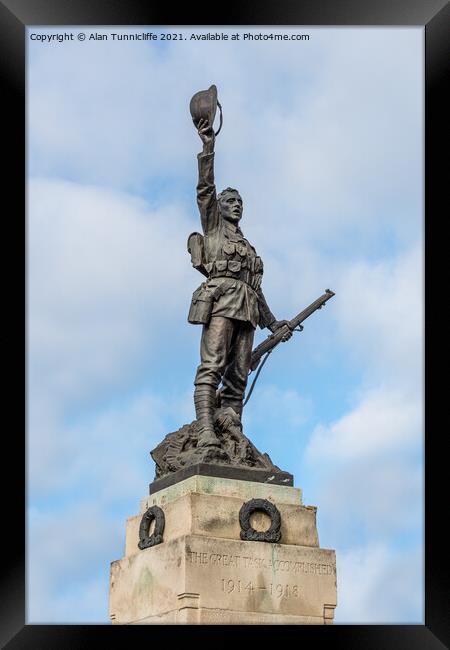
(231, 207)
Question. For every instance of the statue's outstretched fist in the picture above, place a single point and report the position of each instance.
(205, 131)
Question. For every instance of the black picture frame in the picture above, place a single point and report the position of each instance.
(15, 16)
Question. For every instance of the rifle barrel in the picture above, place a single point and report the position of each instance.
(274, 339)
(317, 304)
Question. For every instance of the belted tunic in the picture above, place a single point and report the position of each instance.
(231, 262)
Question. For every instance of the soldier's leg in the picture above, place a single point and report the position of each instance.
(236, 373)
(214, 351)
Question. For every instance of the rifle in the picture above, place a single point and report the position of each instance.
(294, 325)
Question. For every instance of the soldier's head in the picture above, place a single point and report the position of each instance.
(230, 205)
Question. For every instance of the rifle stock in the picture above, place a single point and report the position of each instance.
(274, 339)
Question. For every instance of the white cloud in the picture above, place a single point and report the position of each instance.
(272, 420)
(68, 563)
(109, 285)
(372, 499)
(379, 309)
(384, 421)
(49, 450)
(312, 133)
(106, 277)
(91, 453)
(116, 443)
(365, 469)
(270, 401)
(376, 585)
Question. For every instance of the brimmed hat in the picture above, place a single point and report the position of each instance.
(204, 105)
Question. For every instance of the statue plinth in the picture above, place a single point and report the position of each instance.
(207, 567)
(239, 473)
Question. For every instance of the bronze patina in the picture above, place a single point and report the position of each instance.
(229, 304)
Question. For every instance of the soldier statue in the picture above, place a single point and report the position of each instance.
(230, 303)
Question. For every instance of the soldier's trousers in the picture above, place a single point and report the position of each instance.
(225, 353)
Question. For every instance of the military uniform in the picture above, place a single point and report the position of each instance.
(230, 302)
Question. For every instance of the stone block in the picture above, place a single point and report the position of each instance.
(224, 487)
(205, 579)
(218, 516)
(204, 573)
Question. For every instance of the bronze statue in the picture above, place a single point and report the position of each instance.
(229, 305)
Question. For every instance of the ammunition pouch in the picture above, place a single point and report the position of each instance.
(202, 303)
(249, 272)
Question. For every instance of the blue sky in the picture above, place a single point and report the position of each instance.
(324, 140)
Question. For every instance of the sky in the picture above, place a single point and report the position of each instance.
(324, 140)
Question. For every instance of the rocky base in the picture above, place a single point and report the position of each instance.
(179, 450)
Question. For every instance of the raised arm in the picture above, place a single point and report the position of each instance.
(206, 189)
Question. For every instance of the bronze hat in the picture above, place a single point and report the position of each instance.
(204, 105)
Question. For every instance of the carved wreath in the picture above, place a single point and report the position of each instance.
(146, 540)
(273, 534)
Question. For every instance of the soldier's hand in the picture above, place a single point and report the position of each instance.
(206, 132)
(282, 323)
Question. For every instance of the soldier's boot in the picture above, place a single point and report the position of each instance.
(205, 403)
(235, 404)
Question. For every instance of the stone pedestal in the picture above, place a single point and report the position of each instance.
(203, 572)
